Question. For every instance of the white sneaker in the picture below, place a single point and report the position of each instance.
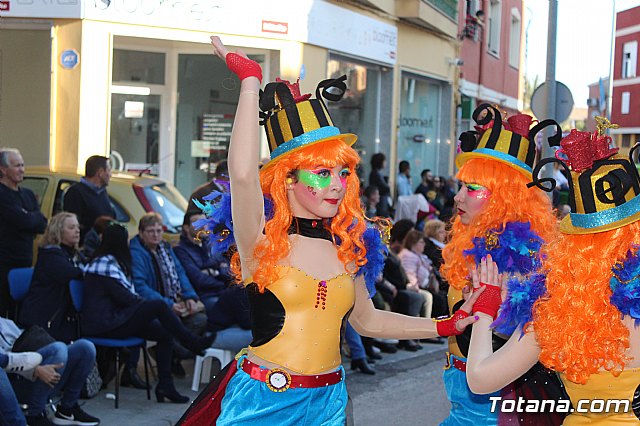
(22, 361)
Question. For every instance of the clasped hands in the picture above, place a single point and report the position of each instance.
(485, 299)
(487, 278)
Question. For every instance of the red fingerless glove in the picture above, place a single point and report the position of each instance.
(243, 67)
(447, 326)
(489, 301)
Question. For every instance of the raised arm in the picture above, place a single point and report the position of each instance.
(488, 371)
(247, 205)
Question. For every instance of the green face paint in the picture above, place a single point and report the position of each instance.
(317, 179)
(474, 186)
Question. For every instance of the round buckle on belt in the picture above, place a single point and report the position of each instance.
(278, 380)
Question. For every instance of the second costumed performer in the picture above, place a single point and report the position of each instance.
(499, 218)
(585, 324)
(306, 259)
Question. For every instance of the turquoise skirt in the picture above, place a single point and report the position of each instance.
(250, 402)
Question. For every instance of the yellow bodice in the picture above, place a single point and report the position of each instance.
(309, 341)
(603, 386)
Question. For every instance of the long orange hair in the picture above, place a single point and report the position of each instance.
(577, 328)
(510, 201)
(348, 224)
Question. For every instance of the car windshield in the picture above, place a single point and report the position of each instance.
(169, 204)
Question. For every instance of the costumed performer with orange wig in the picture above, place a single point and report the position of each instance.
(497, 217)
(304, 255)
(584, 322)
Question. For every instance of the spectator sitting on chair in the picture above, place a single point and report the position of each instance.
(88, 198)
(48, 303)
(112, 309)
(18, 363)
(159, 275)
(94, 236)
(63, 368)
(20, 221)
(230, 319)
(227, 308)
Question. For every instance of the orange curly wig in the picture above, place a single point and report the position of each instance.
(510, 201)
(348, 224)
(577, 328)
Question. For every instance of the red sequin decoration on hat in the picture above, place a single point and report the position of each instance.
(294, 88)
(520, 124)
(583, 148)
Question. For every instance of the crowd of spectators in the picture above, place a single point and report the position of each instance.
(179, 298)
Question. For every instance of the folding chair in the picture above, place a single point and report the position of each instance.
(76, 288)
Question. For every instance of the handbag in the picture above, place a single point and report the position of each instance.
(93, 384)
(32, 339)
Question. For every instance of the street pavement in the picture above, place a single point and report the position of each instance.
(407, 389)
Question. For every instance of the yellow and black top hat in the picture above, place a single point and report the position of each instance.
(604, 189)
(511, 142)
(293, 121)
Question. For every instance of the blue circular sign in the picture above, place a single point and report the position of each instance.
(69, 59)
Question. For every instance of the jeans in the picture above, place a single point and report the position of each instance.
(232, 339)
(10, 412)
(78, 359)
(354, 341)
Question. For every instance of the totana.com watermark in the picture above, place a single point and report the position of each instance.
(522, 405)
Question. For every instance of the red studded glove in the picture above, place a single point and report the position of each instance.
(446, 326)
(489, 300)
(243, 67)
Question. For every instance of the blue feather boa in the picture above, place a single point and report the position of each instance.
(515, 248)
(517, 308)
(376, 253)
(217, 209)
(625, 285)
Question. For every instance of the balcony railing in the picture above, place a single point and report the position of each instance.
(447, 7)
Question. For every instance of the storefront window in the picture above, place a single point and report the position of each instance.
(424, 125)
(136, 109)
(205, 113)
(136, 66)
(364, 110)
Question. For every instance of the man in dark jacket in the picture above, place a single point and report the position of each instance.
(20, 221)
(207, 275)
(88, 199)
(227, 307)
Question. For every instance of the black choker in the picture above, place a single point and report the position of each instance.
(312, 228)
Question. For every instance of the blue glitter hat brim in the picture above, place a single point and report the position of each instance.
(592, 223)
(492, 154)
(348, 138)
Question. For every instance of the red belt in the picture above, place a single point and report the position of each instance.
(279, 380)
(457, 363)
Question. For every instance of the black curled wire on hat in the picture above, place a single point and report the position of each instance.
(332, 89)
(609, 189)
(469, 140)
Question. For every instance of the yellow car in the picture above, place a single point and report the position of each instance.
(131, 196)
